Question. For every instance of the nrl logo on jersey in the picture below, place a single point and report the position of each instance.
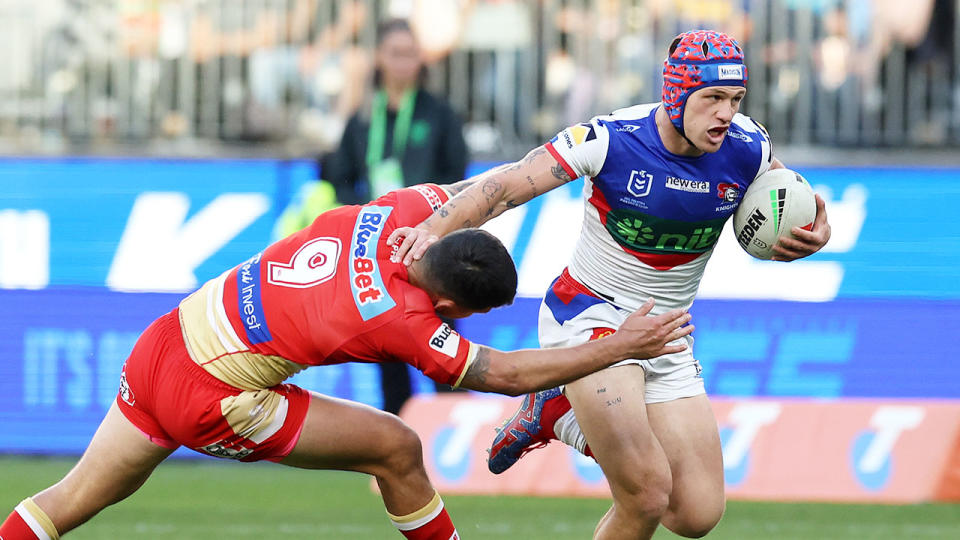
(639, 183)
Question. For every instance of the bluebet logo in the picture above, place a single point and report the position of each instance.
(369, 293)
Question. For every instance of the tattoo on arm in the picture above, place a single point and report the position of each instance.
(614, 401)
(532, 155)
(512, 203)
(458, 187)
(559, 173)
(490, 188)
(476, 375)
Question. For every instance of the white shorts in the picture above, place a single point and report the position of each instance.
(571, 315)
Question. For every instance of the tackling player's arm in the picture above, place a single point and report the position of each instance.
(481, 198)
(521, 372)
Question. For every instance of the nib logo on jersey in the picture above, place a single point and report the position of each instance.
(651, 234)
(369, 293)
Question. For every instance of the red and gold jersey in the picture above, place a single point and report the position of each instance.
(325, 295)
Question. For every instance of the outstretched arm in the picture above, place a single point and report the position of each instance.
(482, 198)
(521, 372)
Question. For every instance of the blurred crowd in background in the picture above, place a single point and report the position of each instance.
(188, 77)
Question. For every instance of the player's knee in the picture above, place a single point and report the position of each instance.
(645, 493)
(697, 528)
(402, 450)
(694, 522)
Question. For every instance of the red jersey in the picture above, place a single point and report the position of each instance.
(325, 295)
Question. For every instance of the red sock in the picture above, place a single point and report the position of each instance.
(15, 528)
(553, 409)
(27, 522)
(588, 452)
(429, 523)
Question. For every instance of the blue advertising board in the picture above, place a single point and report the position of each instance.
(170, 225)
(63, 349)
(874, 315)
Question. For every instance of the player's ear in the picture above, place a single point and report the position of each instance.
(450, 309)
(442, 304)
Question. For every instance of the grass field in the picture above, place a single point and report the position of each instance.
(208, 500)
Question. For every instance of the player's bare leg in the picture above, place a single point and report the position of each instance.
(344, 435)
(687, 431)
(611, 411)
(117, 462)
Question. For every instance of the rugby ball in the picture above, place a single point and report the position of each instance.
(775, 202)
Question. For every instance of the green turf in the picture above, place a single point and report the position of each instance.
(213, 500)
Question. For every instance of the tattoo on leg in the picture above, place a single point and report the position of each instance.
(615, 401)
(476, 375)
(601, 390)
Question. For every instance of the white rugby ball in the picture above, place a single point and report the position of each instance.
(775, 202)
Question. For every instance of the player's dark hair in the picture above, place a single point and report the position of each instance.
(472, 268)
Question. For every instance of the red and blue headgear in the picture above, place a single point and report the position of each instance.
(697, 60)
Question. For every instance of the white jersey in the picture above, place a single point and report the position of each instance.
(651, 217)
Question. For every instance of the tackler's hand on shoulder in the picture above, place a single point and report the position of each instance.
(647, 336)
(415, 242)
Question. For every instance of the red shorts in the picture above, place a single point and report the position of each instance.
(173, 401)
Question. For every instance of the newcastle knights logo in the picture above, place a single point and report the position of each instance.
(728, 192)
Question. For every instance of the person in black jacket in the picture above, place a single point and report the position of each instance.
(404, 137)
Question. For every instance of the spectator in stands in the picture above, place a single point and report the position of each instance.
(405, 136)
